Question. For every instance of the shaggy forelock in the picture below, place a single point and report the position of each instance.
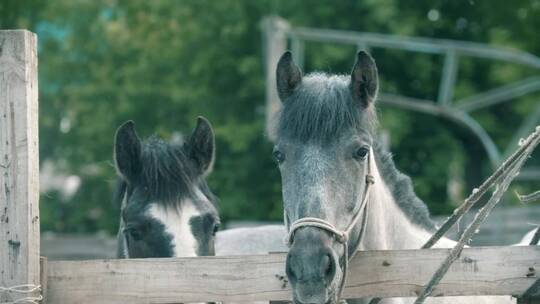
(322, 108)
(167, 173)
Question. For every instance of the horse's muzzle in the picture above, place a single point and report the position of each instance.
(311, 266)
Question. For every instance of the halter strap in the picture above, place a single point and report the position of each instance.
(341, 236)
(125, 248)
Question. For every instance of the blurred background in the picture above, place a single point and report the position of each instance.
(163, 63)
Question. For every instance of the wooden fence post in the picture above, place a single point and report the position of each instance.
(19, 163)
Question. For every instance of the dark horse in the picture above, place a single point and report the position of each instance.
(167, 208)
(341, 189)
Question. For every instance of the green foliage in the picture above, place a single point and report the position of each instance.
(163, 63)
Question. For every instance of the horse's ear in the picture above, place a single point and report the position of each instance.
(127, 152)
(201, 145)
(364, 79)
(288, 76)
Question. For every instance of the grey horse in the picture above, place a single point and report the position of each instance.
(341, 189)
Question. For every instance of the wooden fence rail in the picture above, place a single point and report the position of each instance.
(479, 271)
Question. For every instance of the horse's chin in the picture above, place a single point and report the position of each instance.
(329, 296)
(332, 300)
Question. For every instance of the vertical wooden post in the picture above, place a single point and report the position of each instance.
(19, 162)
(274, 45)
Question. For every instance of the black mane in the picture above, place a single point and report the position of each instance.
(402, 189)
(168, 174)
(321, 108)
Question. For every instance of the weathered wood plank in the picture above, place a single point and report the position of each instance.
(479, 271)
(19, 165)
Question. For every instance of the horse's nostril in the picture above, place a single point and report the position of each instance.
(289, 269)
(326, 264)
(329, 268)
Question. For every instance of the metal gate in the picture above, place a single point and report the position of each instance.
(280, 36)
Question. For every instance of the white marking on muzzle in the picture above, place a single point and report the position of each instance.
(177, 223)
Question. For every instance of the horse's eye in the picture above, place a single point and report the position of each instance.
(216, 228)
(278, 156)
(135, 233)
(361, 153)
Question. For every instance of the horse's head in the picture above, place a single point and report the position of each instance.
(167, 208)
(324, 139)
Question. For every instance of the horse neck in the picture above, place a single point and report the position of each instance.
(387, 226)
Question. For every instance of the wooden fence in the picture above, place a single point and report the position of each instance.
(479, 271)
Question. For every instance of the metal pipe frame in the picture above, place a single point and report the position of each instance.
(457, 111)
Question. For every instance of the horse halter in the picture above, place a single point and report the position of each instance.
(125, 251)
(341, 236)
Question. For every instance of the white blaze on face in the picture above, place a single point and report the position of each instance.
(177, 224)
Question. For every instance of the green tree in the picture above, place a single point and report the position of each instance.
(163, 63)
